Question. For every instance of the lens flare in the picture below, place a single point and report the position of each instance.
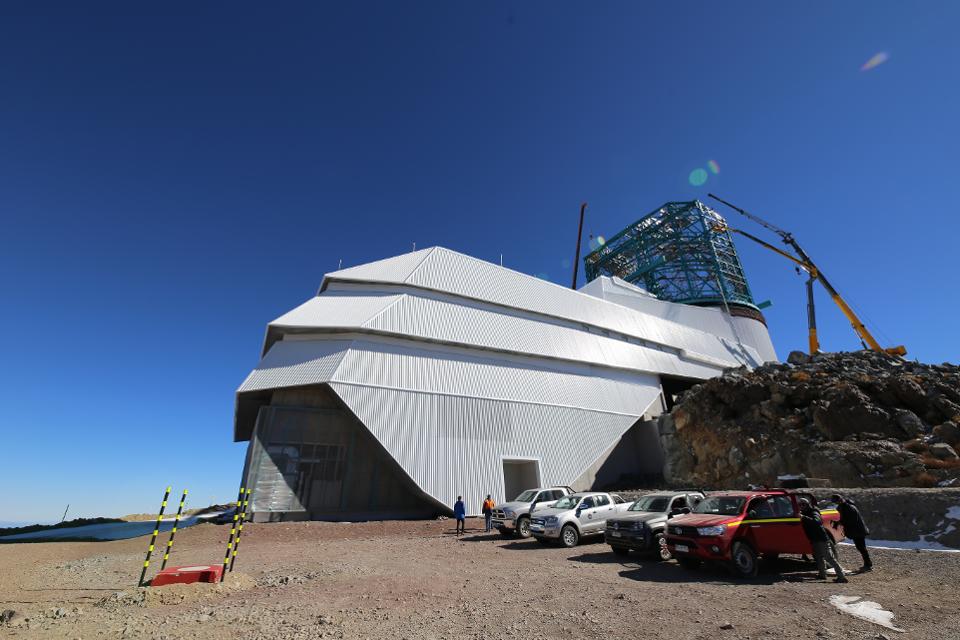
(698, 177)
(875, 61)
(601, 241)
(713, 166)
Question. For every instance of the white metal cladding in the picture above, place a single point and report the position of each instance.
(335, 310)
(451, 272)
(430, 371)
(486, 326)
(452, 445)
(434, 370)
(709, 319)
(292, 364)
(497, 328)
(395, 269)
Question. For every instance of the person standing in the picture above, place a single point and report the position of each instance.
(819, 539)
(460, 513)
(854, 527)
(487, 509)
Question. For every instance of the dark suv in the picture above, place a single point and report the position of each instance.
(642, 527)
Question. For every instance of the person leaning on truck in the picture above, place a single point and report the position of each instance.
(819, 539)
(853, 527)
(487, 509)
(460, 513)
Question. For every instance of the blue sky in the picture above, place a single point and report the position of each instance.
(172, 180)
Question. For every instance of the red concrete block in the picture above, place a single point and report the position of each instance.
(188, 575)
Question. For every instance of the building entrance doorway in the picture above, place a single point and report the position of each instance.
(519, 475)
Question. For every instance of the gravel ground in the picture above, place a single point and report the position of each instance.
(416, 580)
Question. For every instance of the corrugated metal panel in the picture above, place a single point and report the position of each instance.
(448, 271)
(291, 364)
(452, 446)
(338, 310)
(468, 325)
(395, 269)
(711, 320)
(433, 371)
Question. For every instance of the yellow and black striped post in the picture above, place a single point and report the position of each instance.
(233, 532)
(153, 538)
(243, 515)
(173, 532)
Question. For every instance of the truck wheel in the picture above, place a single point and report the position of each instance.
(569, 536)
(523, 527)
(660, 547)
(688, 563)
(620, 551)
(744, 560)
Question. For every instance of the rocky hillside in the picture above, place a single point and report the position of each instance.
(855, 419)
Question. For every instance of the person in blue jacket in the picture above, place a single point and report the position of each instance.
(460, 513)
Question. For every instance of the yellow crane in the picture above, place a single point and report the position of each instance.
(803, 261)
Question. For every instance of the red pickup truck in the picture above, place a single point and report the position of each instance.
(739, 527)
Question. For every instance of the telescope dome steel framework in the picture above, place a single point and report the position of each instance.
(681, 252)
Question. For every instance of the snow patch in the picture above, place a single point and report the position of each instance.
(901, 545)
(954, 512)
(865, 610)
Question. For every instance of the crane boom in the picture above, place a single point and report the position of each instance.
(806, 263)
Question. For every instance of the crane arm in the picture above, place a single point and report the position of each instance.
(805, 263)
(806, 266)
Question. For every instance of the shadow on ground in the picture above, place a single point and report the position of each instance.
(644, 569)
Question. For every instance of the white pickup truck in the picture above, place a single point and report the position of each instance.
(514, 516)
(575, 516)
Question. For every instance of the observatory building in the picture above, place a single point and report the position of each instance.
(409, 381)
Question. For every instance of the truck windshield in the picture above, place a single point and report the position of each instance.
(527, 496)
(650, 503)
(720, 505)
(567, 502)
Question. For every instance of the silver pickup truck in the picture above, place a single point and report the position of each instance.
(643, 526)
(514, 516)
(575, 516)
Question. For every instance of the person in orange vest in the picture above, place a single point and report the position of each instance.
(487, 509)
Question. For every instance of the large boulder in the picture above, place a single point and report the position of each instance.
(846, 410)
(911, 425)
(943, 451)
(949, 432)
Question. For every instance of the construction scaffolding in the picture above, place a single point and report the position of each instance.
(681, 252)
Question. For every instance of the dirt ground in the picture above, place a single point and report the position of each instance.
(417, 580)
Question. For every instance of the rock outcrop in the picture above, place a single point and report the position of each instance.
(858, 419)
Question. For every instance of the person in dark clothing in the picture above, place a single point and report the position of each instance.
(819, 539)
(854, 527)
(460, 513)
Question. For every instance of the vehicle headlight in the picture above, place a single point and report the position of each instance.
(711, 531)
(508, 513)
(637, 526)
(552, 520)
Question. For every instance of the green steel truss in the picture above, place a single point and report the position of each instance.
(681, 252)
